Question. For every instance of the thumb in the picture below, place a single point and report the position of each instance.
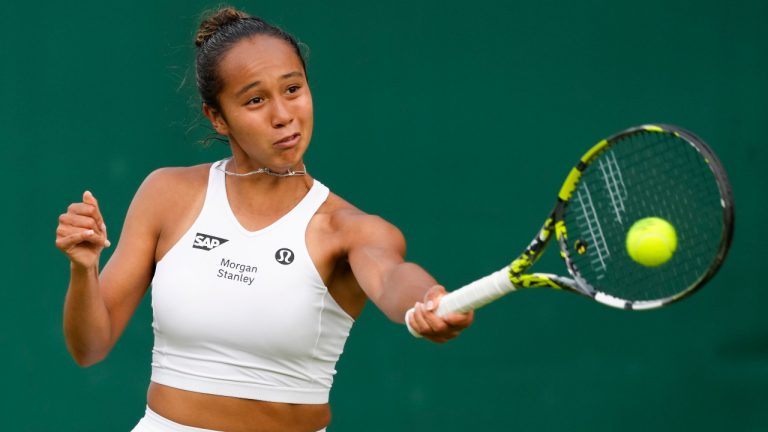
(88, 198)
(432, 297)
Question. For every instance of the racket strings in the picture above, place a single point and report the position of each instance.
(681, 176)
(646, 174)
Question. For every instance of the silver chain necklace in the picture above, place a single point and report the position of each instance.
(267, 171)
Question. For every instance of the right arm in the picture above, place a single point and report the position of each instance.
(376, 251)
(99, 305)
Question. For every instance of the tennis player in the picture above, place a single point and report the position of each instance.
(258, 271)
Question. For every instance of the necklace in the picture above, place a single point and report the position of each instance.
(267, 171)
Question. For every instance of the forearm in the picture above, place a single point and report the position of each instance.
(87, 327)
(403, 286)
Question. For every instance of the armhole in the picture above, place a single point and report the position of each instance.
(207, 202)
(329, 301)
(320, 194)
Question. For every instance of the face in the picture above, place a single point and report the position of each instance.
(266, 105)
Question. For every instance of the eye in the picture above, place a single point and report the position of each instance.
(293, 89)
(255, 100)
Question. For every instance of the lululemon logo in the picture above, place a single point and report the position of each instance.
(284, 256)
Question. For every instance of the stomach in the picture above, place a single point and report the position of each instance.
(224, 413)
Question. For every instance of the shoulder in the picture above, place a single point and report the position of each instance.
(166, 191)
(173, 184)
(176, 179)
(357, 228)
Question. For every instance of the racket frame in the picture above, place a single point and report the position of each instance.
(556, 223)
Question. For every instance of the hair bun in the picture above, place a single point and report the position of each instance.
(215, 21)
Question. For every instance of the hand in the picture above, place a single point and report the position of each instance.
(81, 233)
(426, 323)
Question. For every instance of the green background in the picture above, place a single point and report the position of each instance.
(456, 121)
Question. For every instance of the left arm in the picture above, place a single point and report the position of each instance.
(375, 250)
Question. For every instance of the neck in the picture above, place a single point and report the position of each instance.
(233, 168)
(263, 193)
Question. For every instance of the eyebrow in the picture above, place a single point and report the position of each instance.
(247, 87)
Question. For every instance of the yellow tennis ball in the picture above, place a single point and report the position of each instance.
(651, 241)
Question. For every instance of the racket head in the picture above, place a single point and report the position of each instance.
(646, 171)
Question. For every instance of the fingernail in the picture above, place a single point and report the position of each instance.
(107, 243)
(89, 232)
(103, 227)
(430, 305)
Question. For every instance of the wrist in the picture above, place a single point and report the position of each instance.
(81, 269)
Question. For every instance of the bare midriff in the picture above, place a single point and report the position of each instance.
(223, 413)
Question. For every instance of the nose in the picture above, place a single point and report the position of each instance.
(281, 114)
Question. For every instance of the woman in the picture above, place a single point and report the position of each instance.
(258, 271)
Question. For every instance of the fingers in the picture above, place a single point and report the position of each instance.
(82, 217)
(434, 294)
(78, 221)
(461, 321)
(66, 242)
(428, 309)
(64, 230)
(427, 323)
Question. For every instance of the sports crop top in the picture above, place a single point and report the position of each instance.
(245, 313)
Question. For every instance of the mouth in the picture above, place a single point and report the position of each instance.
(288, 141)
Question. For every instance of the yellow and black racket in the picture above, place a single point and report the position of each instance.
(658, 173)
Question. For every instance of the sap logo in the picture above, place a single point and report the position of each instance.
(207, 242)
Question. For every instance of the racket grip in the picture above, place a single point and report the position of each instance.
(472, 296)
(476, 294)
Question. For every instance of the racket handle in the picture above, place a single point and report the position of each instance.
(472, 296)
(476, 294)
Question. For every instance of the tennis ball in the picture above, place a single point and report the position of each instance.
(651, 241)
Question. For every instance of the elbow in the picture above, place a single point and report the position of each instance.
(86, 349)
(86, 362)
(86, 359)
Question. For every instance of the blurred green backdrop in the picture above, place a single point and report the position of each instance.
(426, 113)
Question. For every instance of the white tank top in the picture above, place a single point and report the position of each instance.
(245, 313)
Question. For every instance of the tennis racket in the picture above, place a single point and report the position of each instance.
(655, 170)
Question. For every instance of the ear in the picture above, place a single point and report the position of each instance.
(217, 119)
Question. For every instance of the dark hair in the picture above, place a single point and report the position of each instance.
(216, 35)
